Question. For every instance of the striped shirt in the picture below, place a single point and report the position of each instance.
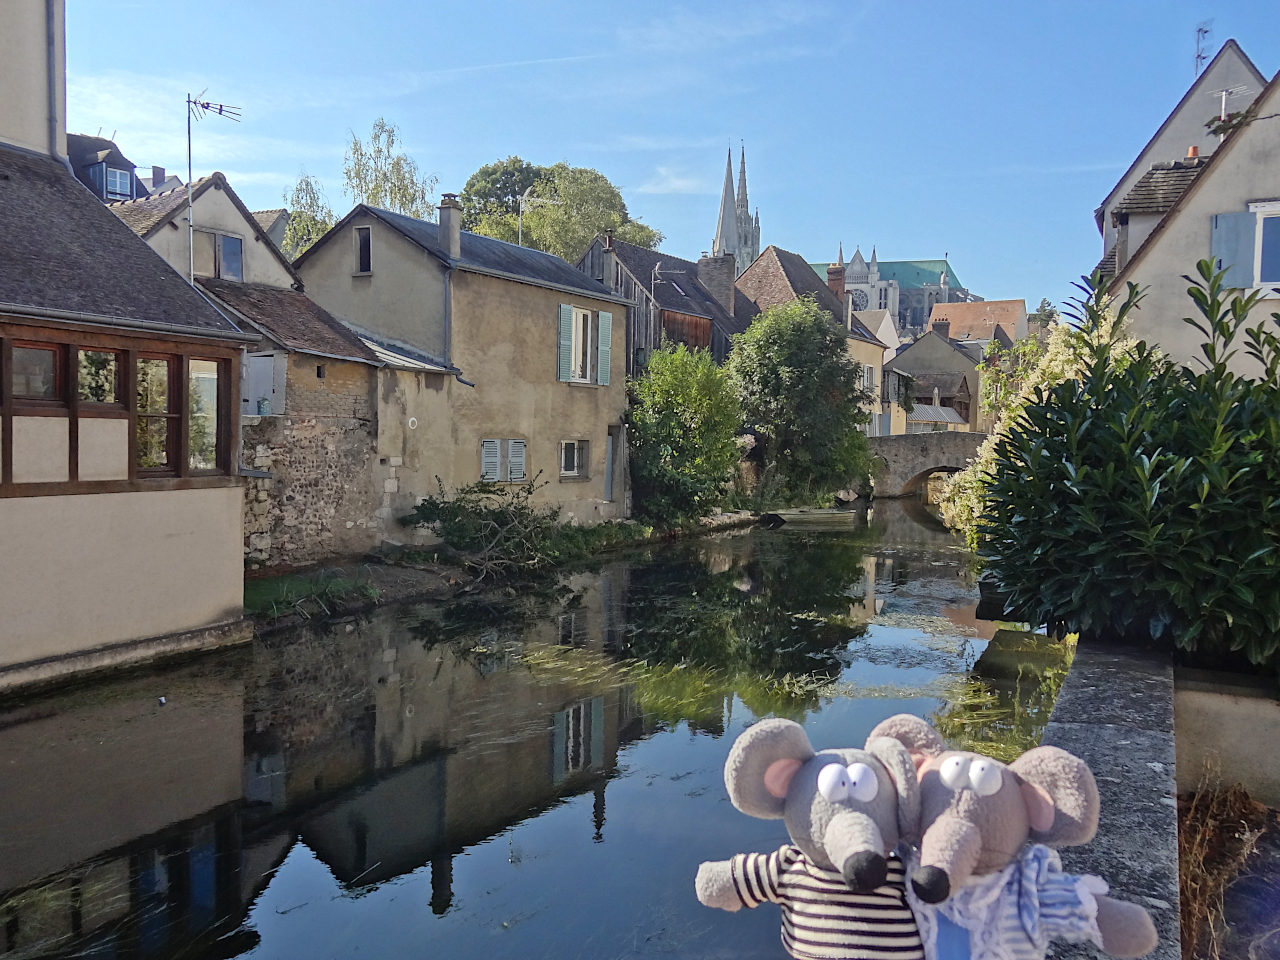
(822, 919)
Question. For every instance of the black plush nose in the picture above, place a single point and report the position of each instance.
(865, 871)
(931, 884)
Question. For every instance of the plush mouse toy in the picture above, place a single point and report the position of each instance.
(841, 888)
(981, 891)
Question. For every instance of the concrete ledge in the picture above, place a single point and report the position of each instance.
(39, 672)
(1115, 711)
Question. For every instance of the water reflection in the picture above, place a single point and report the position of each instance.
(532, 775)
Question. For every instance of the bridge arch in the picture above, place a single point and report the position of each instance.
(907, 461)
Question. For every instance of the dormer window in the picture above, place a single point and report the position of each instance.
(119, 184)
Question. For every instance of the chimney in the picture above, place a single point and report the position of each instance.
(835, 279)
(717, 274)
(1193, 152)
(450, 231)
(157, 179)
(942, 328)
(608, 238)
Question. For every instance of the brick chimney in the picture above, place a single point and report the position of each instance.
(717, 274)
(942, 328)
(157, 178)
(835, 280)
(450, 231)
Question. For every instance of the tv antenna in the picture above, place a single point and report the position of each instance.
(1225, 94)
(1203, 29)
(527, 202)
(197, 107)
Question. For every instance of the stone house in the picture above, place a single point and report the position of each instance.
(671, 298)
(779, 277)
(1228, 212)
(119, 495)
(944, 373)
(1229, 80)
(524, 384)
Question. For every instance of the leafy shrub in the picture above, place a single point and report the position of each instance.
(1141, 501)
(684, 419)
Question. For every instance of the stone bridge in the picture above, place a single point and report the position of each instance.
(909, 459)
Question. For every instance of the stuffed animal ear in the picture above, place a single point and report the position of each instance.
(902, 770)
(920, 739)
(1060, 794)
(761, 764)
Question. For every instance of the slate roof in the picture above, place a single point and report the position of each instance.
(779, 277)
(910, 274)
(483, 254)
(62, 250)
(681, 290)
(84, 151)
(978, 320)
(1161, 186)
(291, 318)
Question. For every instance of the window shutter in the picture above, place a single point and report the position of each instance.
(1231, 247)
(515, 460)
(604, 347)
(564, 355)
(489, 452)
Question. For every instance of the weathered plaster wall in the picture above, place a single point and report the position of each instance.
(40, 449)
(24, 108)
(1223, 724)
(90, 570)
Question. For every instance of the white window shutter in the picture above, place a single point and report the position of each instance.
(604, 347)
(515, 460)
(489, 453)
(564, 352)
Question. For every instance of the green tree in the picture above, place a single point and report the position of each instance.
(569, 206)
(684, 420)
(1046, 313)
(310, 216)
(802, 391)
(379, 174)
(496, 188)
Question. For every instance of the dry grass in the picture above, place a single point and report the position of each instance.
(1218, 828)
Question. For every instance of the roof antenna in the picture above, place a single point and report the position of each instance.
(1203, 29)
(197, 107)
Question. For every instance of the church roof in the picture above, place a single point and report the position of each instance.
(910, 274)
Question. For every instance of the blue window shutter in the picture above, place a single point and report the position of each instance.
(564, 361)
(604, 347)
(515, 460)
(1231, 247)
(489, 452)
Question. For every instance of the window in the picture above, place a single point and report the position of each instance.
(585, 344)
(502, 461)
(157, 420)
(98, 380)
(884, 298)
(119, 184)
(575, 458)
(219, 255)
(37, 373)
(319, 371)
(581, 347)
(364, 250)
(202, 415)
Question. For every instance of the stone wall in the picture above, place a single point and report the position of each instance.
(318, 500)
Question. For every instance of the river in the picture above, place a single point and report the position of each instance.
(532, 776)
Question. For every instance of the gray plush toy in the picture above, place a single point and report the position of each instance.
(841, 888)
(988, 885)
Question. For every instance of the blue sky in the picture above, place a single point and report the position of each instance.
(985, 131)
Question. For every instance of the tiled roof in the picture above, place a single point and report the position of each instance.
(910, 274)
(948, 383)
(1161, 186)
(146, 214)
(978, 320)
(267, 218)
(779, 277)
(680, 289)
(61, 250)
(486, 254)
(291, 318)
(1107, 265)
(928, 413)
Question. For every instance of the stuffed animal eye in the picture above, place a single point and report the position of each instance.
(953, 771)
(833, 782)
(984, 777)
(863, 785)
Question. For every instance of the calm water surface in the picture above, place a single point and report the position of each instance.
(532, 777)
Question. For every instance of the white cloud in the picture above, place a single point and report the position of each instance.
(666, 180)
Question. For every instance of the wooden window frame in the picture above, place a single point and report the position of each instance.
(43, 406)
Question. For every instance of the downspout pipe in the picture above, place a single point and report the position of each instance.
(51, 76)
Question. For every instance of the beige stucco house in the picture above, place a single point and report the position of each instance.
(946, 379)
(119, 495)
(1229, 212)
(520, 380)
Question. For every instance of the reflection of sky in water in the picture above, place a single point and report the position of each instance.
(384, 753)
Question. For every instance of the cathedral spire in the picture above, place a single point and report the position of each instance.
(726, 240)
(840, 261)
(742, 181)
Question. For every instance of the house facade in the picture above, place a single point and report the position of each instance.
(944, 373)
(525, 383)
(1230, 213)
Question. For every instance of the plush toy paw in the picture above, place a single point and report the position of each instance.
(714, 885)
(1126, 928)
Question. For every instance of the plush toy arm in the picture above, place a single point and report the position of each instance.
(1126, 928)
(715, 886)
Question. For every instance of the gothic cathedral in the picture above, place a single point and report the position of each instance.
(737, 232)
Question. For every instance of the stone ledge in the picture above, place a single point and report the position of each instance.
(1115, 711)
(134, 652)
